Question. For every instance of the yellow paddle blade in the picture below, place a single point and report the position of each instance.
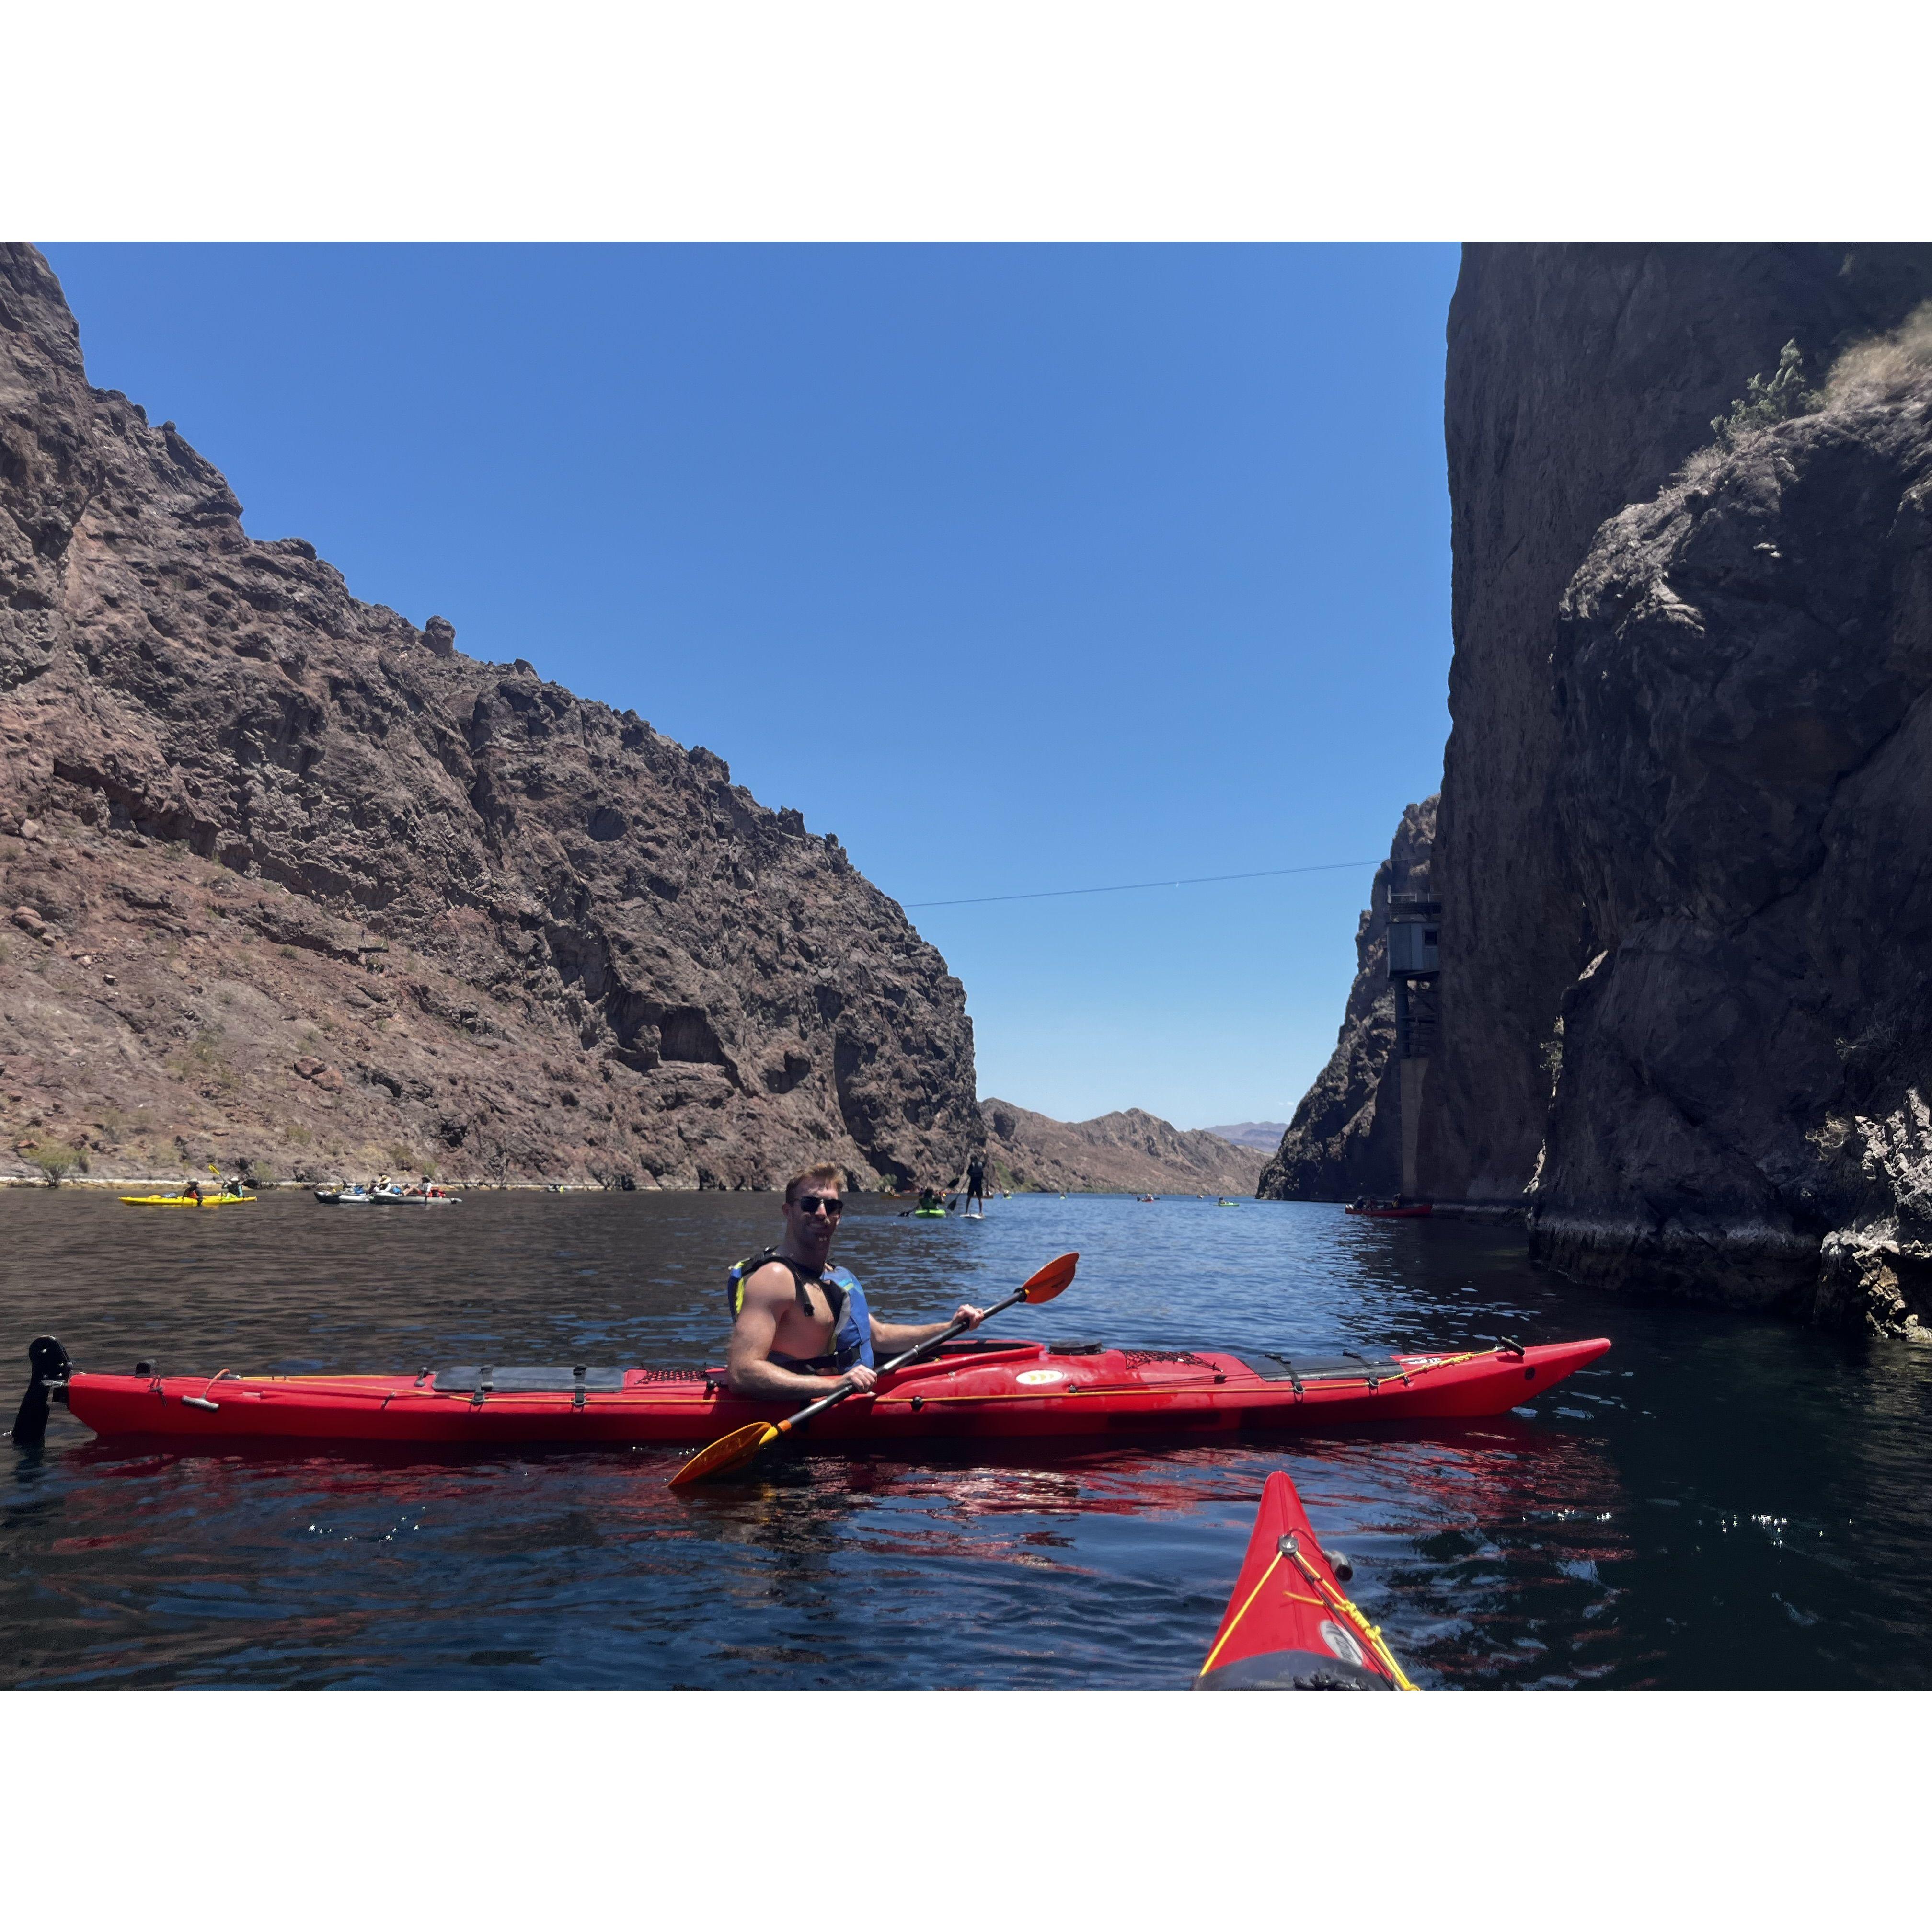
(728, 1452)
(1050, 1280)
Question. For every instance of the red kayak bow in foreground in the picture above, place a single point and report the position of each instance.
(973, 1388)
(1289, 1625)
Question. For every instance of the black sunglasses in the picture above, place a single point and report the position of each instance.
(812, 1204)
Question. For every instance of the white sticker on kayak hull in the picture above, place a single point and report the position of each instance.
(1342, 1644)
(1034, 1377)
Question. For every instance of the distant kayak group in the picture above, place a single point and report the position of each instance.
(235, 1192)
(232, 1192)
(383, 1190)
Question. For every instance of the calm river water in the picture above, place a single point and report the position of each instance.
(1719, 1502)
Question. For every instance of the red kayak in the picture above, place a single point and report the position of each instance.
(1289, 1625)
(972, 1388)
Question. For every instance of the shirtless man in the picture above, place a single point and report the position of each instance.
(800, 1329)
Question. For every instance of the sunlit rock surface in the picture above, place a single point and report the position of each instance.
(260, 823)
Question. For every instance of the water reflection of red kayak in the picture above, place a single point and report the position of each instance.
(977, 1389)
(1289, 1625)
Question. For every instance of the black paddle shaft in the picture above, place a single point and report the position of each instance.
(911, 1355)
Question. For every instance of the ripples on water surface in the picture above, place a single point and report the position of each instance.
(1718, 1502)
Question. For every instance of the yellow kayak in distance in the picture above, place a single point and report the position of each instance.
(179, 1200)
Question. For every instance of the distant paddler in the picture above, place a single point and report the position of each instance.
(976, 1183)
(801, 1328)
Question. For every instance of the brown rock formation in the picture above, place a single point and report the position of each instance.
(1346, 1139)
(301, 883)
(1129, 1153)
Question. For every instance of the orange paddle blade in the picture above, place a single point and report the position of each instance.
(1050, 1280)
(728, 1452)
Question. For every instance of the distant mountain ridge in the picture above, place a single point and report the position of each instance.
(1265, 1135)
(1132, 1153)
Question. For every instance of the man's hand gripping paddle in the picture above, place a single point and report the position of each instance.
(733, 1451)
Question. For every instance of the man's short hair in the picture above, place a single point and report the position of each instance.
(826, 1172)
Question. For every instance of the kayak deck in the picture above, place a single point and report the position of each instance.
(976, 1388)
(1289, 1626)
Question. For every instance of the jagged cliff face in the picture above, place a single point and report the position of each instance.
(1346, 1139)
(266, 823)
(1580, 378)
(1684, 811)
(1742, 675)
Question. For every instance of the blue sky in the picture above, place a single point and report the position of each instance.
(1018, 567)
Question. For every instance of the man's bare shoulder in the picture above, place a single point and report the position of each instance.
(771, 1283)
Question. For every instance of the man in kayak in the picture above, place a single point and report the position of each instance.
(800, 1328)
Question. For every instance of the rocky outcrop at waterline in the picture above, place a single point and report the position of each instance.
(1130, 1152)
(299, 883)
(1346, 1139)
(1681, 844)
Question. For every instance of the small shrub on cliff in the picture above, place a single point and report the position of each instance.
(1770, 399)
(56, 1160)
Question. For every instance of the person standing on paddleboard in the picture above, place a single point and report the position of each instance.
(800, 1328)
(976, 1183)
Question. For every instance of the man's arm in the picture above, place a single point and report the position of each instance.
(767, 1296)
(894, 1338)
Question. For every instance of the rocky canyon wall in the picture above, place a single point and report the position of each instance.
(298, 882)
(1346, 1139)
(1682, 843)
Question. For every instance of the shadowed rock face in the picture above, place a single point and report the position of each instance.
(1743, 679)
(526, 934)
(1346, 1139)
(1682, 841)
(1580, 378)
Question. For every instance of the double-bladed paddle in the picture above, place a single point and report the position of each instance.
(735, 1450)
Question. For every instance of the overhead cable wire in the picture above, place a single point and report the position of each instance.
(1141, 885)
